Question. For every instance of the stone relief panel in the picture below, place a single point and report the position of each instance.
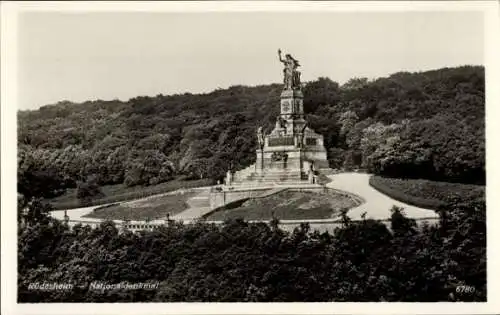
(285, 107)
(297, 106)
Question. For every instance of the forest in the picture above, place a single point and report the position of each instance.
(427, 125)
(258, 262)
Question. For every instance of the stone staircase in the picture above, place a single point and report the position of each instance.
(243, 174)
(276, 176)
(198, 205)
(272, 176)
(248, 174)
(199, 201)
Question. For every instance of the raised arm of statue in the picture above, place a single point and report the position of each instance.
(279, 55)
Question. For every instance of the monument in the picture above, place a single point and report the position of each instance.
(292, 151)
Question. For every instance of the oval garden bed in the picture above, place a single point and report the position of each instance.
(287, 205)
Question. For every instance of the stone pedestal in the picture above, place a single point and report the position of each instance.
(259, 163)
(291, 151)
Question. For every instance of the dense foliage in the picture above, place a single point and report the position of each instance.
(426, 193)
(239, 261)
(416, 125)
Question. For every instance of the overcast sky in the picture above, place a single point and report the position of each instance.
(89, 56)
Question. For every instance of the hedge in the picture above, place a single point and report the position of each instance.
(428, 203)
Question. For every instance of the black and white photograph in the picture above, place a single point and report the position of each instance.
(242, 152)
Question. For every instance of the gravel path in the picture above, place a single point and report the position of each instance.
(75, 214)
(377, 205)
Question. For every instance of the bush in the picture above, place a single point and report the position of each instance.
(86, 191)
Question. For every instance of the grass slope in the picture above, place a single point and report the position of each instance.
(120, 192)
(426, 193)
(152, 208)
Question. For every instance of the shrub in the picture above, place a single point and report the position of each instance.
(88, 190)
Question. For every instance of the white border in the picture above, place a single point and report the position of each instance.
(10, 10)
(254, 6)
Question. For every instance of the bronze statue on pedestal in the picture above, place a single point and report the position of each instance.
(291, 76)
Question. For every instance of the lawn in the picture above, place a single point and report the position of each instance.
(120, 192)
(152, 208)
(426, 193)
(287, 205)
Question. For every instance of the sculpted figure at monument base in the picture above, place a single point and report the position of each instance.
(260, 138)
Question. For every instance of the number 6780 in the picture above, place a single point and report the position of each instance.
(465, 289)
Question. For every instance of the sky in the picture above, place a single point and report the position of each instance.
(111, 55)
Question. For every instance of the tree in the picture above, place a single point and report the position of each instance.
(355, 84)
(400, 224)
(148, 167)
(322, 92)
(34, 179)
(347, 121)
(88, 190)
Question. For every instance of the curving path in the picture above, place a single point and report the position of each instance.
(76, 214)
(377, 205)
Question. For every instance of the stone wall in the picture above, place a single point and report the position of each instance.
(327, 225)
(221, 198)
(330, 226)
